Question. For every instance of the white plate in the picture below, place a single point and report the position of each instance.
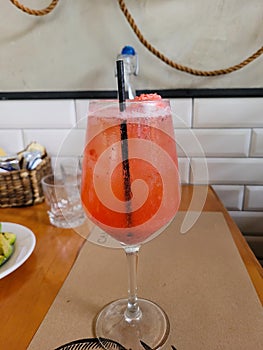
(24, 246)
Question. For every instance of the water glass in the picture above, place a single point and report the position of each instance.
(63, 198)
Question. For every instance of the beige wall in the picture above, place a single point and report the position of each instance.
(75, 46)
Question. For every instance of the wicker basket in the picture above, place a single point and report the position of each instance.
(23, 187)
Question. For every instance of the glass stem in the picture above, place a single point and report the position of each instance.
(133, 311)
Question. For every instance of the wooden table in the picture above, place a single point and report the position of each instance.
(27, 293)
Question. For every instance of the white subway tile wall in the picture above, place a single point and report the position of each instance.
(220, 142)
(184, 166)
(182, 113)
(257, 143)
(232, 196)
(230, 171)
(249, 222)
(253, 198)
(214, 142)
(58, 142)
(228, 113)
(37, 114)
(82, 107)
(11, 140)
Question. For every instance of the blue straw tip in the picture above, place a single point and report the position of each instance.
(128, 50)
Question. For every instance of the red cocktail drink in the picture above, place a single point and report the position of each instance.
(153, 183)
(131, 190)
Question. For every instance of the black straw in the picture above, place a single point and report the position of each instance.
(121, 84)
(124, 140)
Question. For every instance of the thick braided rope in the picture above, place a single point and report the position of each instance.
(29, 11)
(177, 65)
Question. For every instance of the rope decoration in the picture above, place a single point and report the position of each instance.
(29, 11)
(178, 66)
(150, 47)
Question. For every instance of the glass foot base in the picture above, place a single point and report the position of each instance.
(152, 328)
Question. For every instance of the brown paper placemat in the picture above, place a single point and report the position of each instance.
(198, 278)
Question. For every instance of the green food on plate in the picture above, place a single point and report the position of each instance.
(7, 242)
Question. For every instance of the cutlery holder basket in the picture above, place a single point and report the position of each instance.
(23, 187)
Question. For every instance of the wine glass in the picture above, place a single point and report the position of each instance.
(130, 189)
